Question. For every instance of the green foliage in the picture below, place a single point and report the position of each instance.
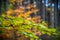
(25, 26)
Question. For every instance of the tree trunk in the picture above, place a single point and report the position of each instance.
(56, 13)
(51, 15)
(44, 10)
(39, 6)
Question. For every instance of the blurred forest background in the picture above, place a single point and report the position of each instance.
(49, 10)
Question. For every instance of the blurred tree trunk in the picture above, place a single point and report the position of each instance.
(56, 13)
(0, 5)
(44, 10)
(39, 6)
(51, 15)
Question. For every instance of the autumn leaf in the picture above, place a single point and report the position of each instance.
(9, 12)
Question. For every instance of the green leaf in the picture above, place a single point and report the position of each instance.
(23, 32)
(42, 26)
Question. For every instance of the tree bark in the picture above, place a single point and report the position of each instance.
(44, 10)
(51, 15)
(56, 13)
